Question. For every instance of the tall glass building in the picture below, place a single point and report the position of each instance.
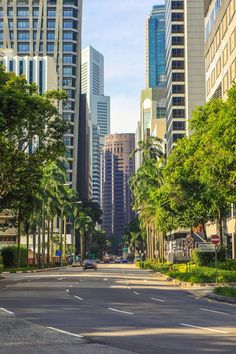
(50, 28)
(155, 47)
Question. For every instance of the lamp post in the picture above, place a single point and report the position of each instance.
(74, 238)
(61, 227)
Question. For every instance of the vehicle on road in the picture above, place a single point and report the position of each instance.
(117, 260)
(89, 264)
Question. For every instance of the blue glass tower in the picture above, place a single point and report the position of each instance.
(156, 54)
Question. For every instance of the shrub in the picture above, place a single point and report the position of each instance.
(9, 256)
(208, 259)
(226, 291)
(230, 264)
(1, 268)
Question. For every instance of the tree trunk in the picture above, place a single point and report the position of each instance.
(220, 221)
(204, 231)
(51, 242)
(64, 248)
(27, 243)
(34, 246)
(82, 244)
(43, 235)
(39, 245)
(48, 242)
(18, 238)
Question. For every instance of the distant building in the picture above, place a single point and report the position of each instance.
(185, 65)
(153, 98)
(220, 52)
(92, 84)
(117, 167)
(155, 47)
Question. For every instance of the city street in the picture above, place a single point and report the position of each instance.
(116, 309)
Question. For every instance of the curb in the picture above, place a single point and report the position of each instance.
(221, 298)
(34, 271)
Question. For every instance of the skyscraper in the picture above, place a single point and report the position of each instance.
(50, 28)
(92, 84)
(185, 65)
(117, 167)
(153, 102)
(155, 47)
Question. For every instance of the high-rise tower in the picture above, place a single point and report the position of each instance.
(50, 28)
(185, 65)
(92, 84)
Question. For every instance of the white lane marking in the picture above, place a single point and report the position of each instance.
(126, 312)
(204, 328)
(208, 310)
(155, 299)
(65, 332)
(136, 293)
(76, 283)
(60, 279)
(79, 298)
(129, 288)
(67, 290)
(105, 279)
(7, 311)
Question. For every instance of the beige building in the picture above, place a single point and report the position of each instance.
(220, 59)
(220, 46)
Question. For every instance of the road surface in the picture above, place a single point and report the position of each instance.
(117, 309)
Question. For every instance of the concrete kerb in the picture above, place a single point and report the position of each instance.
(34, 270)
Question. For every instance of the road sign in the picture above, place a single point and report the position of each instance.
(58, 253)
(189, 242)
(215, 239)
(206, 247)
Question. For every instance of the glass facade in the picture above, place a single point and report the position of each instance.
(156, 47)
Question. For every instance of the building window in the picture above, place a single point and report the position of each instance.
(23, 23)
(177, 137)
(225, 83)
(41, 77)
(11, 65)
(208, 86)
(68, 59)
(50, 36)
(232, 41)
(231, 9)
(21, 67)
(51, 23)
(177, 77)
(23, 35)
(50, 47)
(178, 125)
(178, 101)
(35, 11)
(178, 64)
(178, 40)
(10, 24)
(68, 13)
(178, 89)
(67, 82)
(22, 12)
(233, 71)
(178, 52)
(10, 12)
(178, 113)
(177, 28)
(218, 68)
(225, 55)
(224, 25)
(67, 35)
(213, 78)
(177, 16)
(35, 23)
(51, 12)
(177, 5)
(68, 47)
(68, 24)
(23, 47)
(161, 112)
(31, 71)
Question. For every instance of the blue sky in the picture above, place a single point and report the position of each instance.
(117, 30)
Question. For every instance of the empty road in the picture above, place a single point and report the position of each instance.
(116, 309)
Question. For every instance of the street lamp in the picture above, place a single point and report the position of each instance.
(74, 238)
(61, 225)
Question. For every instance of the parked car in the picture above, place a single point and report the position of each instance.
(117, 260)
(89, 264)
(124, 260)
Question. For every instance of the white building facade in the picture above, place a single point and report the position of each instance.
(92, 84)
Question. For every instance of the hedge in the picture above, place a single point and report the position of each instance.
(9, 256)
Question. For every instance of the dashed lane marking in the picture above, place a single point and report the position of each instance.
(7, 311)
(65, 332)
(125, 312)
(79, 298)
(204, 328)
(155, 299)
(220, 312)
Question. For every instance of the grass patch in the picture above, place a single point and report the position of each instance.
(192, 273)
(226, 291)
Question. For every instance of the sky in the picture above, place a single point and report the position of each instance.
(117, 30)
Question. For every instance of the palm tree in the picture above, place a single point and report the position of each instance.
(151, 148)
(84, 223)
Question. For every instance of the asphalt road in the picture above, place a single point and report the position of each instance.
(117, 309)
